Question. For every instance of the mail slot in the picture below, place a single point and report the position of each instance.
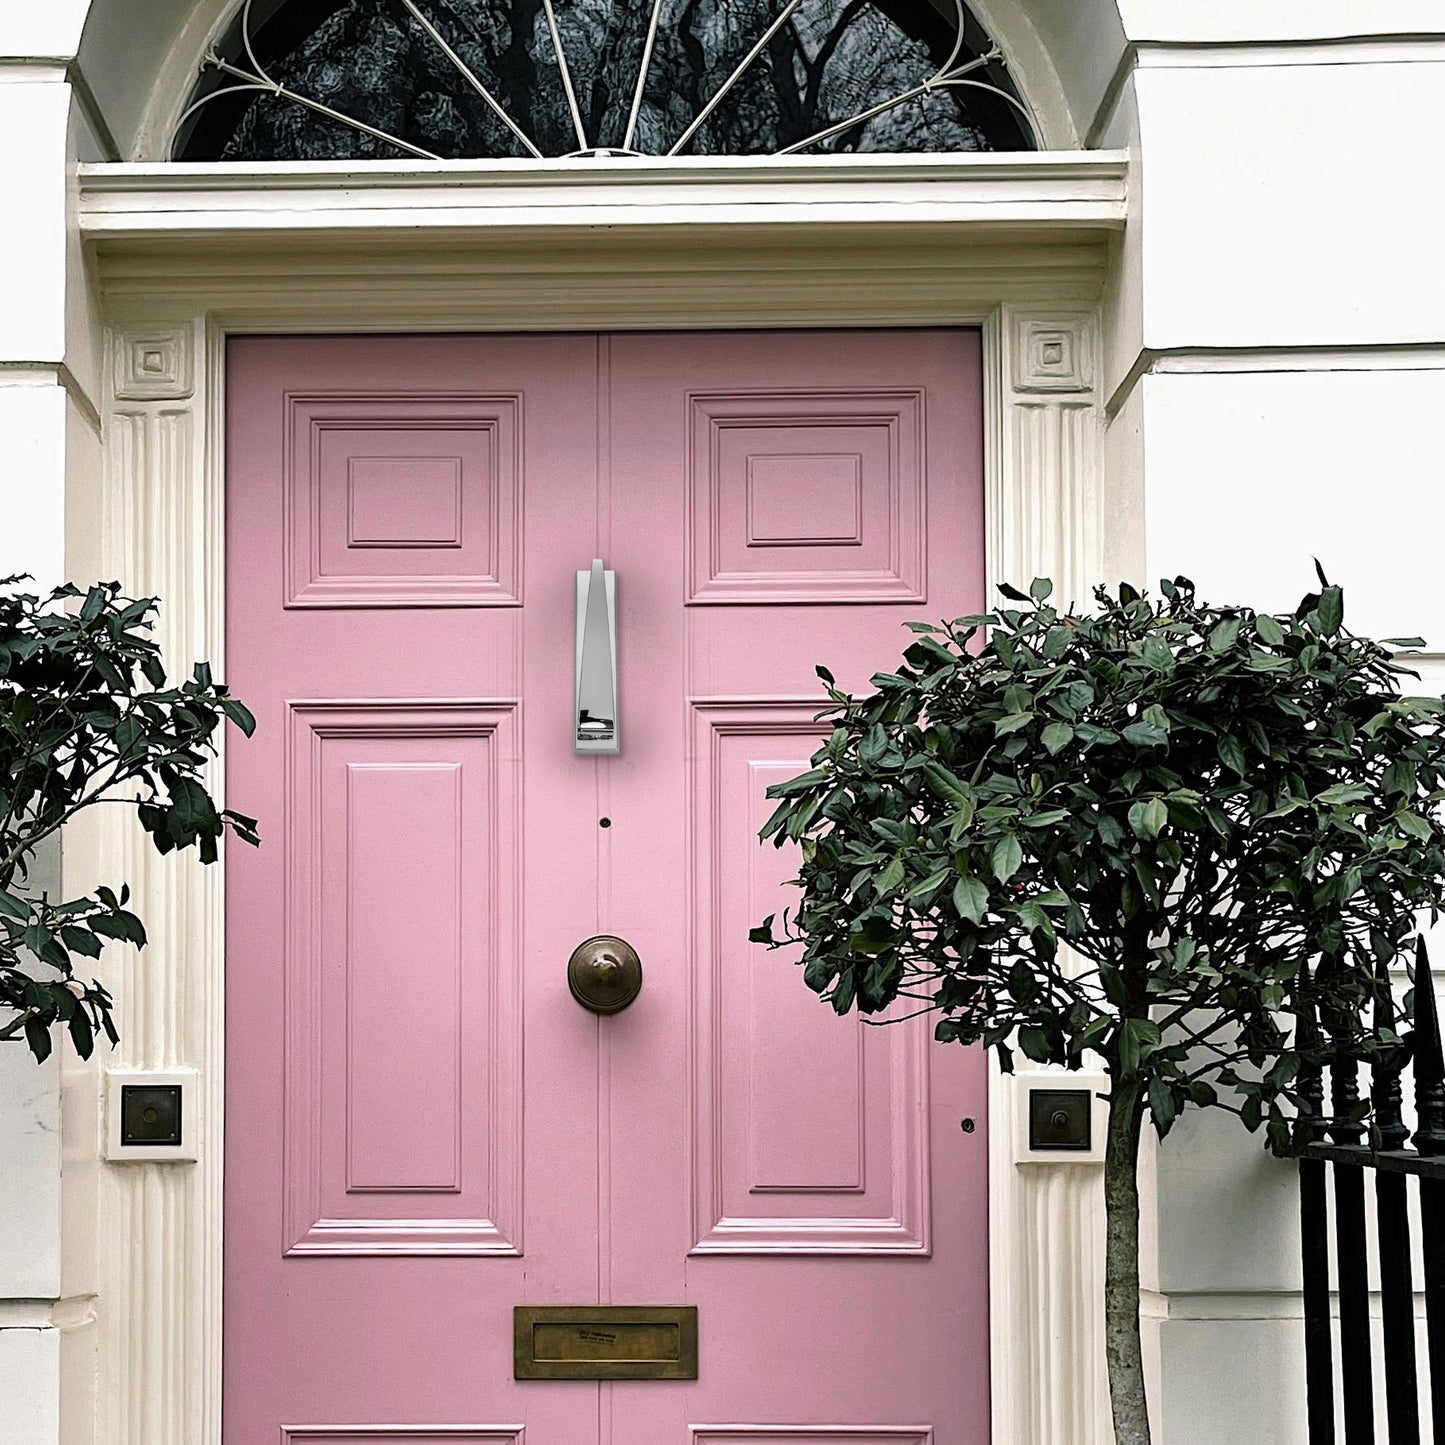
(604, 1342)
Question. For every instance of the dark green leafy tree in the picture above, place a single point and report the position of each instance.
(87, 718)
(1142, 836)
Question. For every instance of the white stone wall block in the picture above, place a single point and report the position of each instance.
(29, 1176)
(50, 31)
(1248, 21)
(30, 1368)
(34, 117)
(1284, 210)
(32, 490)
(1251, 475)
(1233, 1378)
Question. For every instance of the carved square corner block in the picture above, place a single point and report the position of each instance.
(1051, 355)
(154, 365)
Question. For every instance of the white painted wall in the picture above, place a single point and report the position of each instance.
(1284, 384)
(48, 374)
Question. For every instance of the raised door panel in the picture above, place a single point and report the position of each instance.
(402, 998)
(809, 1131)
(813, 496)
(396, 501)
(812, 1435)
(403, 1435)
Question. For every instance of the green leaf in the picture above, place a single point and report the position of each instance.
(1343, 793)
(244, 719)
(1006, 858)
(1115, 989)
(1148, 819)
(889, 879)
(1040, 588)
(1055, 737)
(1012, 723)
(1224, 635)
(1145, 735)
(122, 925)
(1331, 610)
(1049, 818)
(1033, 918)
(875, 936)
(81, 1034)
(1163, 1104)
(80, 940)
(1414, 825)
(970, 897)
(945, 785)
(13, 907)
(1268, 630)
(930, 884)
(1138, 1038)
(1231, 754)
(801, 784)
(1035, 1044)
(38, 1037)
(873, 745)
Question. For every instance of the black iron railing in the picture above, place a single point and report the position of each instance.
(1340, 1153)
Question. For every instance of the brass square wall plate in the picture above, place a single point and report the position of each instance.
(604, 1342)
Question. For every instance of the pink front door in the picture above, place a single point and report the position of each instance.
(423, 1128)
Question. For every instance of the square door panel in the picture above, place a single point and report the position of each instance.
(809, 497)
(392, 502)
(401, 1435)
(812, 1435)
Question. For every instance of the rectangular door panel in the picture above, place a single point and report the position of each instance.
(403, 1121)
(807, 1129)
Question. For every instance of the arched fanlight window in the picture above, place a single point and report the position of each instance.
(452, 79)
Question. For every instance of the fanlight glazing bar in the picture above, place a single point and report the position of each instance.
(732, 80)
(582, 142)
(467, 74)
(936, 82)
(642, 69)
(272, 87)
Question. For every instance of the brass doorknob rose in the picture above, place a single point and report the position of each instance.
(604, 974)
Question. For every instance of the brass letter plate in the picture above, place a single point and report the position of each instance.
(604, 1342)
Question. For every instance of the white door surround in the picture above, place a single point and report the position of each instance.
(185, 255)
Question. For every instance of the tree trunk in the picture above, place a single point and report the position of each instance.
(1122, 1346)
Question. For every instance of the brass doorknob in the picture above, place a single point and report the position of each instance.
(604, 974)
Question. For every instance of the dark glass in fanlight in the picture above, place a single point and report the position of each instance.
(371, 60)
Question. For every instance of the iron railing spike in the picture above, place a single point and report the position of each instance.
(1386, 1097)
(1429, 1060)
(1311, 1078)
(1343, 1126)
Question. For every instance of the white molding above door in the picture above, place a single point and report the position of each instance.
(1030, 273)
